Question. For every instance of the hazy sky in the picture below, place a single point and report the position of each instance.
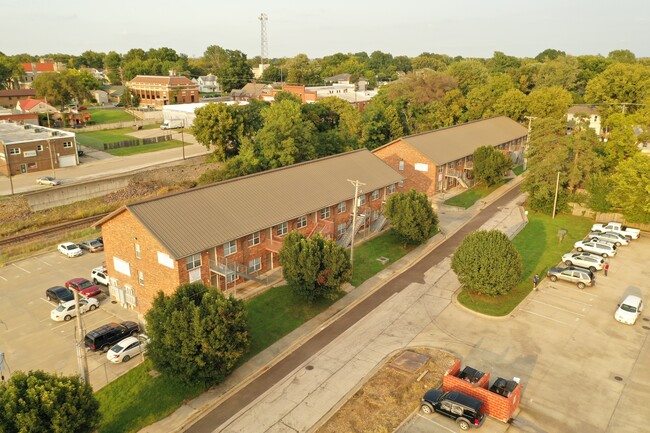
(469, 28)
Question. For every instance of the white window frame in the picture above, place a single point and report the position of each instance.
(255, 265)
(14, 151)
(253, 239)
(39, 148)
(325, 213)
(67, 144)
(191, 261)
(341, 207)
(141, 278)
(391, 188)
(229, 248)
(301, 222)
(231, 278)
(375, 195)
(282, 229)
(361, 200)
(401, 165)
(340, 229)
(138, 253)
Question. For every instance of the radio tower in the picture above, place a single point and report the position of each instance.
(265, 43)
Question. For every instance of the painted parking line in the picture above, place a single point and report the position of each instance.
(3, 278)
(22, 269)
(433, 422)
(558, 308)
(575, 301)
(549, 318)
(46, 263)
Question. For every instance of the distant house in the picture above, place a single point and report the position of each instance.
(583, 112)
(253, 91)
(347, 92)
(34, 69)
(437, 160)
(100, 96)
(30, 105)
(9, 98)
(339, 79)
(164, 90)
(19, 117)
(208, 84)
(97, 74)
(306, 96)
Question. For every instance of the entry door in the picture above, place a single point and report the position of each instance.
(23, 168)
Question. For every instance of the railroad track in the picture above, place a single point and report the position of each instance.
(50, 231)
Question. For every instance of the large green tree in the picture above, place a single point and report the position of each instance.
(43, 402)
(213, 336)
(490, 165)
(314, 268)
(630, 188)
(469, 73)
(60, 88)
(411, 216)
(549, 102)
(487, 262)
(221, 126)
(10, 71)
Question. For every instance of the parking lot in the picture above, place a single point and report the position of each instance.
(31, 340)
(581, 370)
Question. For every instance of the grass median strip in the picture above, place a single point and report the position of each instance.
(474, 194)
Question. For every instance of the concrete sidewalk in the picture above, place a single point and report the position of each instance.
(305, 396)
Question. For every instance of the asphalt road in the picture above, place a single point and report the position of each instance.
(242, 398)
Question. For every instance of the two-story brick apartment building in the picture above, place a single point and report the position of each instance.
(162, 90)
(435, 161)
(232, 231)
(29, 148)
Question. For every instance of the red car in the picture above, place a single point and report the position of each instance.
(83, 286)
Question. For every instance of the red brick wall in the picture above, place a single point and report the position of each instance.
(495, 405)
(120, 236)
(421, 181)
(43, 159)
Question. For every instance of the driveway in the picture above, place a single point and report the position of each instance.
(30, 339)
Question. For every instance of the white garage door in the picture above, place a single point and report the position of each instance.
(67, 161)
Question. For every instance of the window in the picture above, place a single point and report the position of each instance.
(137, 251)
(282, 229)
(375, 195)
(14, 151)
(361, 200)
(67, 144)
(254, 239)
(375, 214)
(193, 261)
(400, 183)
(254, 265)
(439, 185)
(451, 164)
(229, 248)
(341, 207)
(401, 165)
(440, 168)
(325, 213)
(140, 278)
(391, 189)
(39, 148)
(302, 222)
(340, 229)
(231, 278)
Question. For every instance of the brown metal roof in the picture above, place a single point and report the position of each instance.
(195, 220)
(174, 80)
(449, 144)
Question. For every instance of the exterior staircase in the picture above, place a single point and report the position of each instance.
(379, 224)
(346, 239)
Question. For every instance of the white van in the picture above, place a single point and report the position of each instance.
(171, 124)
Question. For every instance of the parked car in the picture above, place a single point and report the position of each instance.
(584, 260)
(99, 276)
(100, 240)
(611, 237)
(127, 349)
(615, 227)
(92, 245)
(83, 286)
(629, 310)
(59, 294)
(604, 249)
(461, 407)
(47, 180)
(68, 310)
(69, 249)
(107, 335)
(581, 277)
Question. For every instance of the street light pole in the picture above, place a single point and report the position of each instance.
(81, 352)
(11, 181)
(49, 146)
(356, 184)
(557, 188)
(530, 127)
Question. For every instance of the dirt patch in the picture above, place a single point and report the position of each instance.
(390, 395)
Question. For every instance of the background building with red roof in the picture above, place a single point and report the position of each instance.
(164, 90)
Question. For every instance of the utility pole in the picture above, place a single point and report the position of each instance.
(356, 184)
(557, 189)
(11, 180)
(49, 146)
(81, 351)
(183, 138)
(530, 128)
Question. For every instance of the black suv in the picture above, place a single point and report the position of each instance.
(105, 336)
(461, 407)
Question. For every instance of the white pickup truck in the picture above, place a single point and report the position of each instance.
(619, 228)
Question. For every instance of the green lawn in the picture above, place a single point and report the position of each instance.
(472, 195)
(100, 116)
(540, 249)
(518, 169)
(365, 255)
(97, 139)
